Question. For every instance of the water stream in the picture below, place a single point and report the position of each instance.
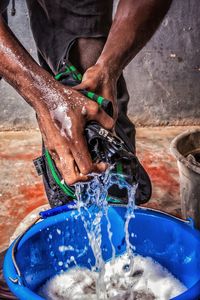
(96, 193)
(127, 277)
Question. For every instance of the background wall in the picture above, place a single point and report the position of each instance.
(163, 79)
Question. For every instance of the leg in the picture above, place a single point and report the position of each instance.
(128, 134)
(85, 52)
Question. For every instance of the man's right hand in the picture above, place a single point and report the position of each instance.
(61, 111)
(62, 124)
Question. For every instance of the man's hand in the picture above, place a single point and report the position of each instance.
(100, 80)
(62, 126)
(61, 111)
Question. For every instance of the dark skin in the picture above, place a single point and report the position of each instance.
(101, 62)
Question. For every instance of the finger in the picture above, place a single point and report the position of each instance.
(83, 159)
(67, 168)
(95, 113)
(100, 167)
(82, 86)
(79, 176)
(81, 154)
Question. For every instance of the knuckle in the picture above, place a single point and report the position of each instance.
(112, 123)
(53, 153)
(86, 169)
(69, 177)
(93, 108)
(91, 83)
(70, 181)
(109, 123)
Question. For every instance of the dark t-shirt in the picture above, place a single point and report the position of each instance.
(3, 5)
(56, 24)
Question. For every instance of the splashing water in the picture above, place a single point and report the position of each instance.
(126, 277)
(96, 193)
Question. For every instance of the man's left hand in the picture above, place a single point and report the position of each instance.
(98, 79)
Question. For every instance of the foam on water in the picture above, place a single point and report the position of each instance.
(126, 277)
(147, 280)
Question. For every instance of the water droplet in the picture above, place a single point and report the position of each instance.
(58, 231)
(126, 268)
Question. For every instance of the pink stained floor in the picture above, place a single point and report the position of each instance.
(21, 190)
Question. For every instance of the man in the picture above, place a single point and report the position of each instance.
(83, 33)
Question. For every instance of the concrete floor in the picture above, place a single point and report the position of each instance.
(21, 190)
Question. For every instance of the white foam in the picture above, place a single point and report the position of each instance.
(83, 111)
(60, 114)
(65, 248)
(147, 279)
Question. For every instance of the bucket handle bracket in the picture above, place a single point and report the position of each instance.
(17, 280)
(191, 222)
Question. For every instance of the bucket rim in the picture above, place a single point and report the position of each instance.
(176, 154)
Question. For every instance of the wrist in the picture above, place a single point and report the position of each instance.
(38, 88)
(110, 66)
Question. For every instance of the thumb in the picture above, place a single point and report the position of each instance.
(82, 86)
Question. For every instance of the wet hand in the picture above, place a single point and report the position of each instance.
(99, 80)
(62, 126)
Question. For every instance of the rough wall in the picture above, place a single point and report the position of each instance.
(163, 79)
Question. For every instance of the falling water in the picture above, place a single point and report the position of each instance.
(125, 277)
(96, 193)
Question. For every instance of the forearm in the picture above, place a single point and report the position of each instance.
(134, 23)
(18, 68)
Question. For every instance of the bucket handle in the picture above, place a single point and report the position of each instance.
(18, 279)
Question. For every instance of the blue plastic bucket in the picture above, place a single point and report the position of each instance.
(175, 244)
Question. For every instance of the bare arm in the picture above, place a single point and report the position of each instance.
(58, 108)
(134, 24)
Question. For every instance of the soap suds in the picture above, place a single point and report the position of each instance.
(68, 92)
(60, 115)
(83, 111)
(147, 280)
(12, 55)
(65, 248)
(51, 95)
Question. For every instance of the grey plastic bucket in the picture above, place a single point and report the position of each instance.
(188, 143)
